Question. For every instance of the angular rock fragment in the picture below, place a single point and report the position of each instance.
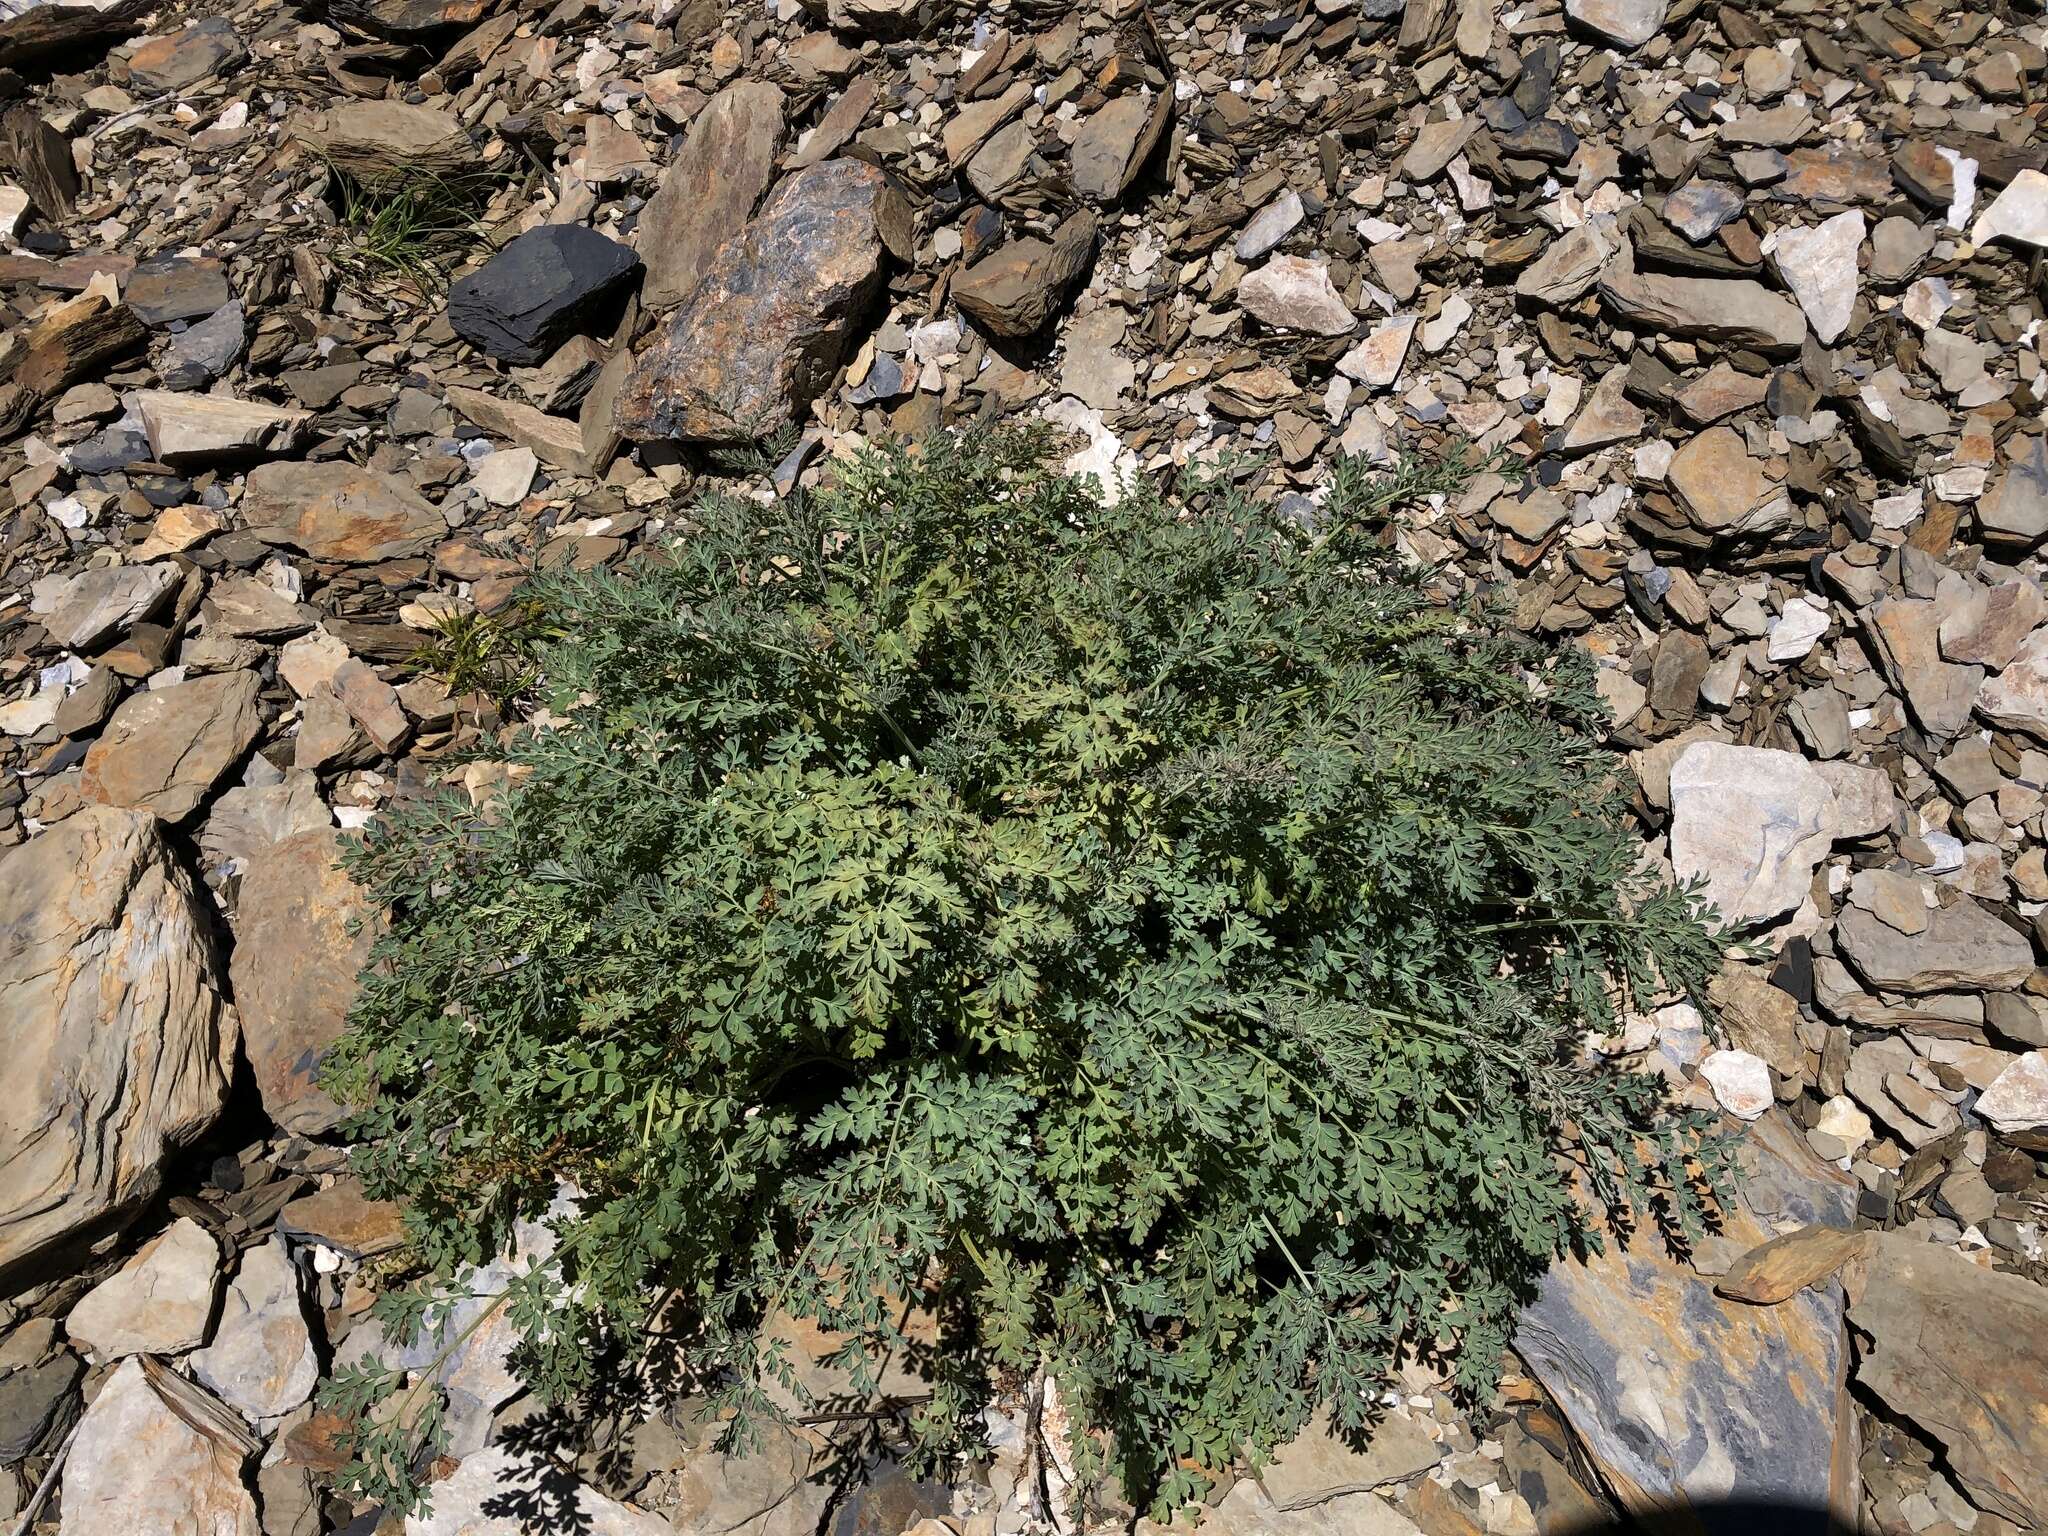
(1819, 266)
(1292, 293)
(765, 330)
(1628, 24)
(159, 1303)
(205, 429)
(1754, 823)
(165, 748)
(303, 933)
(1115, 143)
(1015, 289)
(338, 512)
(549, 284)
(261, 1359)
(1723, 489)
(119, 1040)
(1961, 1352)
(158, 1456)
(710, 189)
(381, 142)
(1731, 310)
(1963, 947)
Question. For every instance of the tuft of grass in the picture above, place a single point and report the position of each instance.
(413, 227)
(472, 652)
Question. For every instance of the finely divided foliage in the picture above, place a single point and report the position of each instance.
(1152, 939)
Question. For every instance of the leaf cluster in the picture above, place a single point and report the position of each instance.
(1151, 943)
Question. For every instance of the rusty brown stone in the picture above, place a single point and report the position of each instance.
(764, 332)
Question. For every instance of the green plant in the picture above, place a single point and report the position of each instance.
(413, 226)
(1153, 940)
(472, 652)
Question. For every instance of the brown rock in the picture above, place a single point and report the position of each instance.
(1783, 1267)
(1722, 488)
(1962, 1352)
(710, 190)
(377, 141)
(294, 970)
(1114, 144)
(338, 512)
(118, 1042)
(1017, 287)
(763, 334)
(165, 748)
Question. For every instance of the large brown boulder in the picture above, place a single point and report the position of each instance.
(166, 748)
(303, 931)
(118, 1043)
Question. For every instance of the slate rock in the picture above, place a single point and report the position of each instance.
(2016, 697)
(1722, 488)
(1293, 293)
(38, 1403)
(493, 1493)
(549, 284)
(1114, 143)
(190, 56)
(83, 611)
(1732, 310)
(1320, 1464)
(294, 970)
(206, 350)
(1015, 289)
(1627, 24)
(338, 512)
(761, 337)
(2014, 512)
(1963, 947)
(157, 1455)
(1819, 266)
(1961, 1352)
(165, 748)
(1755, 822)
(159, 1303)
(379, 141)
(119, 1042)
(261, 1359)
(1680, 1398)
(710, 189)
(2016, 1103)
(170, 288)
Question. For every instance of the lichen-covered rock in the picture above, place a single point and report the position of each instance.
(763, 332)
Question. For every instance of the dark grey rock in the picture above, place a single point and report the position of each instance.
(176, 288)
(201, 353)
(547, 285)
(37, 1403)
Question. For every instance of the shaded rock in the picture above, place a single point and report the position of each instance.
(1962, 947)
(158, 1456)
(31, 30)
(119, 1043)
(762, 335)
(38, 1403)
(1755, 822)
(710, 189)
(204, 351)
(294, 970)
(768, 1492)
(1015, 289)
(1961, 1351)
(1114, 143)
(261, 1359)
(338, 512)
(503, 1492)
(549, 284)
(158, 1303)
(250, 817)
(417, 19)
(1293, 293)
(165, 748)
